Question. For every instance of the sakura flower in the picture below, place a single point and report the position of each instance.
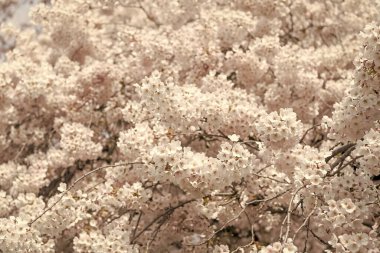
(290, 248)
(234, 138)
(315, 180)
(348, 205)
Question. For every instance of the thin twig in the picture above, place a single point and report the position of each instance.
(147, 14)
(253, 202)
(167, 212)
(224, 194)
(220, 229)
(307, 219)
(248, 244)
(307, 131)
(320, 239)
(236, 217)
(300, 202)
(156, 232)
(252, 235)
(111, 219)
(77, 181)
(271, 178)
(307, 236)
(264, 168)
(137, 224)
(289, 213)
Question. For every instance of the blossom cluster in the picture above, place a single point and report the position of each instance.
(191, 126)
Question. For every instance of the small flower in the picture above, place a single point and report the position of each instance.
(234, 138)
(332, 204)
(93, 223)
(344, 239)
(221, 249)
(62, 187)
(277, 246)
(315, 180)
(339, 220)
(194, 239)
(362, 238)
(290, 248)
(334, 240)
(353, 247)
(348, 205)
